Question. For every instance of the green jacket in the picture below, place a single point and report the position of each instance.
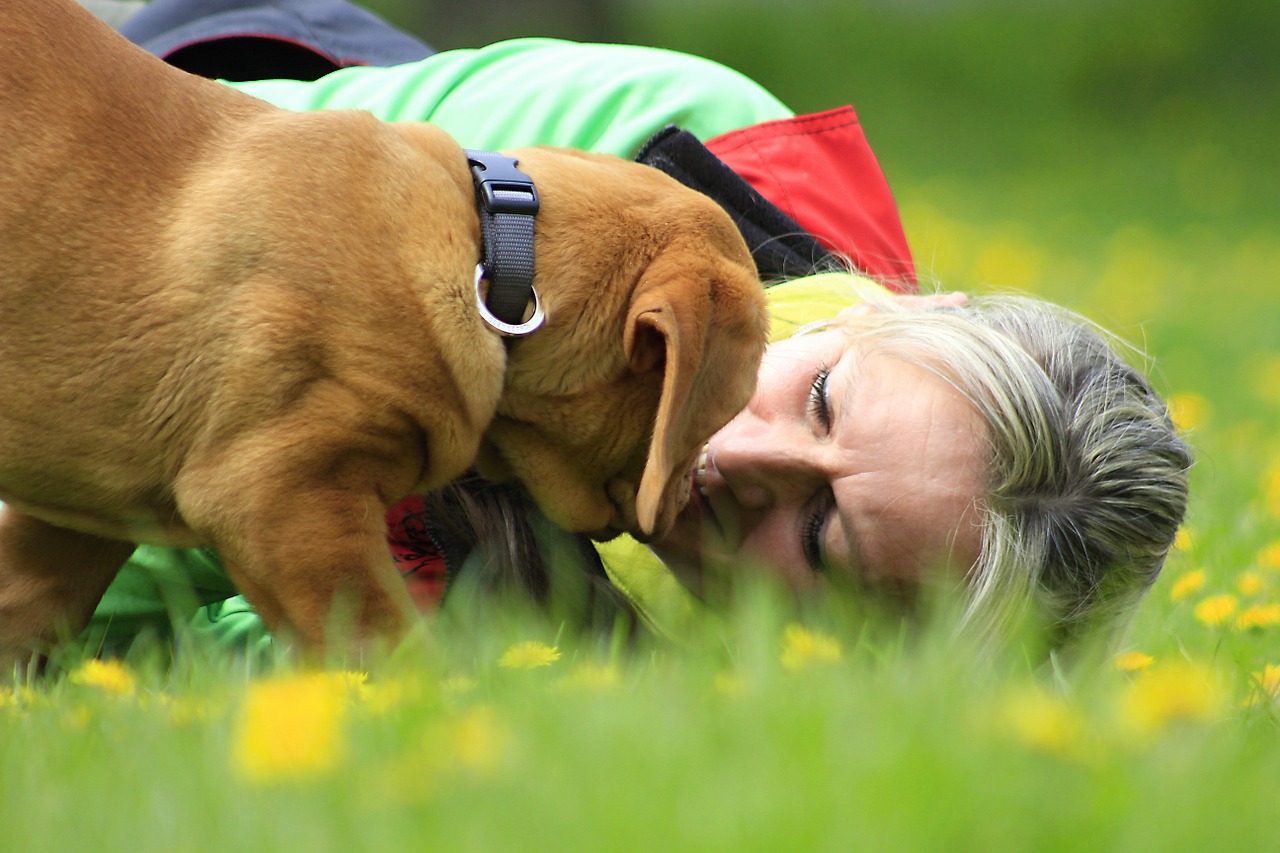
(606, 98)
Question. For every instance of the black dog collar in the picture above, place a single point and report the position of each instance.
(508, 204)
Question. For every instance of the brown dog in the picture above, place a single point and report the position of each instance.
(223, 323)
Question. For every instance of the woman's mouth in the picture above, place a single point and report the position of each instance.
(699, 496)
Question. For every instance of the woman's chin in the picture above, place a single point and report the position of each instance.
(682, 558)
(705, 577)
(688, 549)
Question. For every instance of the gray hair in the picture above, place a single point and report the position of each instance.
(1088, 476)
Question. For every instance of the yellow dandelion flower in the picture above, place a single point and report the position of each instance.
(26, 697)
(1249, 583)
(477, 741)
(590, 678)
(803, 648)
(1269, 557)
(1133, 275)
(529, 655)
(1188, 411)
(1267, 377)
(1009, 260)
(1184, 539)
(16, 700)
(1187, 584)
(1271, 490)
(1267, 684)
(379, 697)
(290, 727)
(729, 684)
(458, 685)
(187, 710)
(76, 717)
(1043, 721)
(183, 710)
(1215, 609)
(1258, 616)
(1170, 693)
(350, 680)
(951, 242)
(110, 676)
(481, 740)
(1133, 661)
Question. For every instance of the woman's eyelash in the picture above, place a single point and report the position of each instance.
(811, 530)
(811, 541)
(818, 407)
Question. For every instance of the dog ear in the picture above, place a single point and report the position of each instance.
(704, 326)
(656, 337)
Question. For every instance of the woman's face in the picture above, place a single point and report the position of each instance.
(848, 465)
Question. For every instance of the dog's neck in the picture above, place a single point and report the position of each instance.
(508, 203)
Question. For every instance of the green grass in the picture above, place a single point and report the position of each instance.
(906, 743)
(1119, 160)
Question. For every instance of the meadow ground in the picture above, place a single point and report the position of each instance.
(1118, 160)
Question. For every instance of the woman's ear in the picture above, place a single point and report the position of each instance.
(862, 309)
(954, 299)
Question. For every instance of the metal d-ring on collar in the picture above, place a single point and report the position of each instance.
(508, 204)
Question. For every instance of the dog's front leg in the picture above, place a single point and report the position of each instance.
(51, 579)
(297, 512)
(318, 570)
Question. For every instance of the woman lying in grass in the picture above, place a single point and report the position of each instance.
(893, 439)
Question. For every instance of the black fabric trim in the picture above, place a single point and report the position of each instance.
(779, 245)
(241, 58)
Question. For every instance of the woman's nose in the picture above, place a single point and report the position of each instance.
(763, 463)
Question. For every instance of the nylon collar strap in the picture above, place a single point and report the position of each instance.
(508, 203)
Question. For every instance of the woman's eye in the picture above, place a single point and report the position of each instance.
(818, 408)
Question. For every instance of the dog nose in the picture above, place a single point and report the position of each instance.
(623, 495)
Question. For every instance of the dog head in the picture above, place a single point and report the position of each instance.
(656, 324)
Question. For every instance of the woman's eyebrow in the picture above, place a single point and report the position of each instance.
(851, 375)
(854, 565)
